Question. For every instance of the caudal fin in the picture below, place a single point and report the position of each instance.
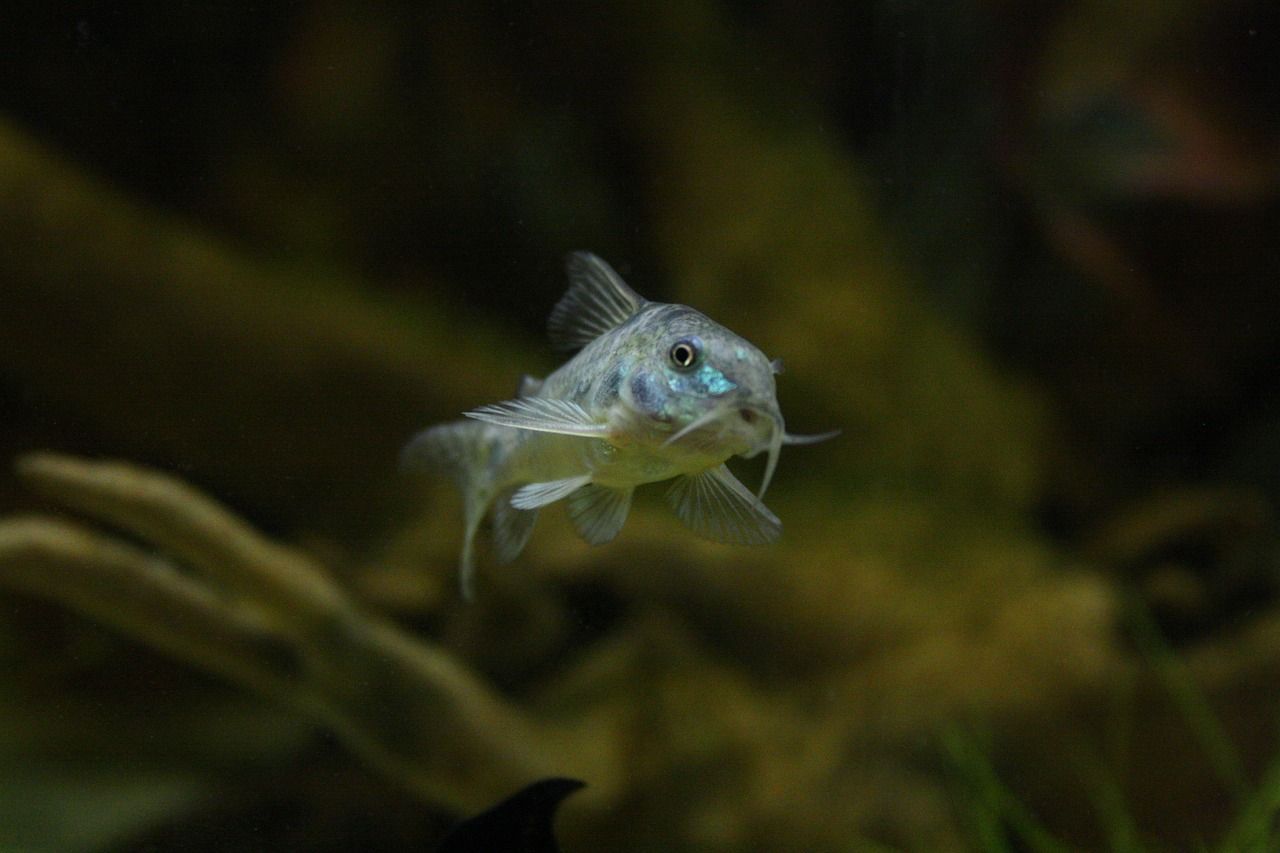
(455, 449)
(464, 450)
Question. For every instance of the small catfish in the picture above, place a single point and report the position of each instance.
(655, 392)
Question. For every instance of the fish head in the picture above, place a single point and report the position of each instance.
(708, 392)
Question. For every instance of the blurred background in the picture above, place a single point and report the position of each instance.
(1023, 255)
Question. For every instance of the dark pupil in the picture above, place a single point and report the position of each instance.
(682, 354)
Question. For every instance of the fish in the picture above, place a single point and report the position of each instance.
(655, 392)
(522, 823)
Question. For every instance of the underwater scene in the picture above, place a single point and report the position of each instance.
(647, 426)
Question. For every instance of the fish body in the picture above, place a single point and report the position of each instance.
(655, 392)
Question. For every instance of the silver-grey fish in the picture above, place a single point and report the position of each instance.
(655, 392)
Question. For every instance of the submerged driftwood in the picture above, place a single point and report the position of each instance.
(269, 618)
(630, 714)
(720, 699)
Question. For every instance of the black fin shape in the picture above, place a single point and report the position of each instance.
(597, 301)
(522, 823)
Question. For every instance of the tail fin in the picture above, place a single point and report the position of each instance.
(465, 450)
(456, 449)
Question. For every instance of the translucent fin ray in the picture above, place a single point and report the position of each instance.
(541, 414)
(511, 527)
(467, 561)
(598, 512)
(716, 506)
(535, 495)
(461, 450)
(455, 449)
(597, 301)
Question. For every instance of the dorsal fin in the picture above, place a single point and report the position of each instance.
(597, 301)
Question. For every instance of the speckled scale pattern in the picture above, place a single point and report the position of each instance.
(624, 411)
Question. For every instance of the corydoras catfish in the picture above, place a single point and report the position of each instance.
(655, 392)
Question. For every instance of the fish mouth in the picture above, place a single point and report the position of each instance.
(708, 429)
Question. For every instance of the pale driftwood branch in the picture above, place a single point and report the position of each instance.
(273, 621)
(180, 520)
(142, 595)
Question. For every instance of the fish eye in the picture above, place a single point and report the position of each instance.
(685, 352)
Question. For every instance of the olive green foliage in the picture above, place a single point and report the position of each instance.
(1023, 258)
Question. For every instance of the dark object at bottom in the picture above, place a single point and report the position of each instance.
(519, 824)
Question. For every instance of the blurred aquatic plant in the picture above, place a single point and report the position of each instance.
(267, 617)
(775, 700)
(999, 819)
(994, 813)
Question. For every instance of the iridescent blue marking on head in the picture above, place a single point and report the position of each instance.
(713, 381)
(706, 381)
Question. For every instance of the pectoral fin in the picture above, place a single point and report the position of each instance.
(715, 505)
(598, 512)
(541, 414)
(535, 495)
